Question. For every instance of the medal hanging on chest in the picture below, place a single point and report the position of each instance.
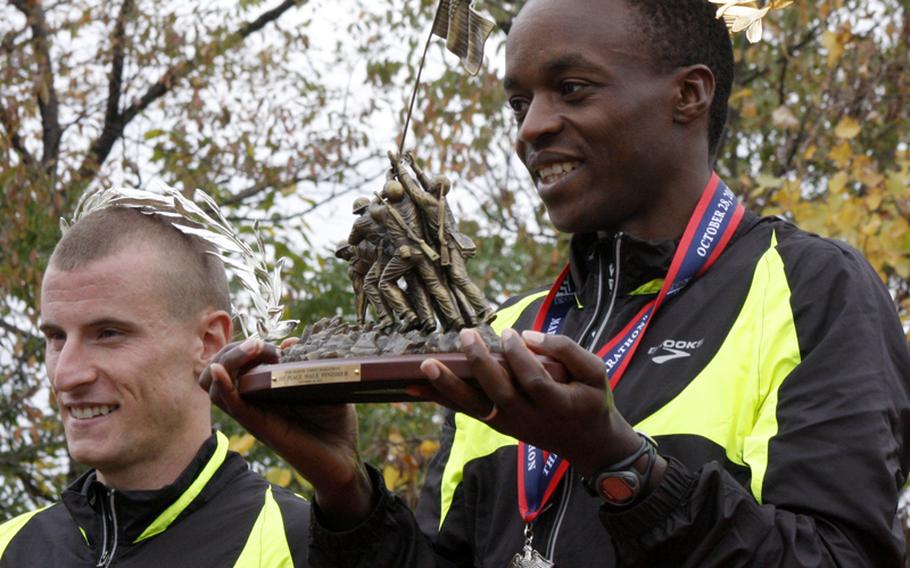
(528, 557)
(712, 224)
(539, 472)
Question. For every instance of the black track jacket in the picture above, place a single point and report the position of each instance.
(777, 385)
(218, 514)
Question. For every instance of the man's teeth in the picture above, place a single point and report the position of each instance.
(84, 412)
(553, 172)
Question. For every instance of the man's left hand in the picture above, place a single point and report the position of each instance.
(577, 419)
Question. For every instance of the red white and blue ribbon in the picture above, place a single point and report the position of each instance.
(712, 224)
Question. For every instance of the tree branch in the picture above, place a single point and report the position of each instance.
(8, 43)
(44, 84)
(112, 117)
(15, 330)
(791, 51)
(33, 489)
(259, 187)
(10, 125)
(113, 131)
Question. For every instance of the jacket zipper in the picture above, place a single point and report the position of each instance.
(108, 514)
(591, 346)
(591, 343)
(600, 276)
(560, 515)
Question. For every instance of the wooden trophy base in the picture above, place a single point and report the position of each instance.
(367, 379)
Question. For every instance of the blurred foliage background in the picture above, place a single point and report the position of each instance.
(254, 101)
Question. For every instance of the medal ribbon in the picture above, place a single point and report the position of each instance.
(712, 224)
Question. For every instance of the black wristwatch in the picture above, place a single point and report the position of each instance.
(621, 484)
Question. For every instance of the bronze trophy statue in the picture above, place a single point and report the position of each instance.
(412, 294)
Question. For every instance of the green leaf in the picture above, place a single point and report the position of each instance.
(154, 133)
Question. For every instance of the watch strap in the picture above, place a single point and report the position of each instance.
(621, 484)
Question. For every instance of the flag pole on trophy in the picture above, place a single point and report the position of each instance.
(465, 32)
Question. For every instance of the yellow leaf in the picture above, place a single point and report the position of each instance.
(428, 448)
(872, 225)
(850, 215)
(788, 197)
(841, 154)
(865, 170)
(242, 444)
(876, 260)
(871, 178)
(847, 128)
(874, 199)
(810, 152)
(902, 267)
(814, 218)
(280, 476)
(833, 43)
(873, 247)
(391, 475)
(859, 162)
(740, 94)
(896, 228)
(750, 110)
(837, 182)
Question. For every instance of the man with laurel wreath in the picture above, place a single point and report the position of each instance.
(132, 310)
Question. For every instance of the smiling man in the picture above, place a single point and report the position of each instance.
(764, 369)
(132, 311)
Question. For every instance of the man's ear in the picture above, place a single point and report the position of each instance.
(215, 331)
(694, 94)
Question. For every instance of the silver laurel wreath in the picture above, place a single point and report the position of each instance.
(248, 265)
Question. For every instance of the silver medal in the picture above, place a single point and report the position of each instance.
(528, 557)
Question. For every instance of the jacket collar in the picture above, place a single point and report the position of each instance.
(596, 258)
(142, 514)
(642, 263)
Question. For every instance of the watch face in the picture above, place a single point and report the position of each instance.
(618, 487)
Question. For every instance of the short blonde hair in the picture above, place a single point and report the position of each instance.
(193, 279)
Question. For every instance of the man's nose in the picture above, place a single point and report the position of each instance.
(540, 120)
(71, 367)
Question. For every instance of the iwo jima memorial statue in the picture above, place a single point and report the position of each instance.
(408, 270)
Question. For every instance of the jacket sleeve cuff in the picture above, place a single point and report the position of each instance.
(369, 531)
(673, 490)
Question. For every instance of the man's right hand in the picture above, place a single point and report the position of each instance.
(320, 442)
